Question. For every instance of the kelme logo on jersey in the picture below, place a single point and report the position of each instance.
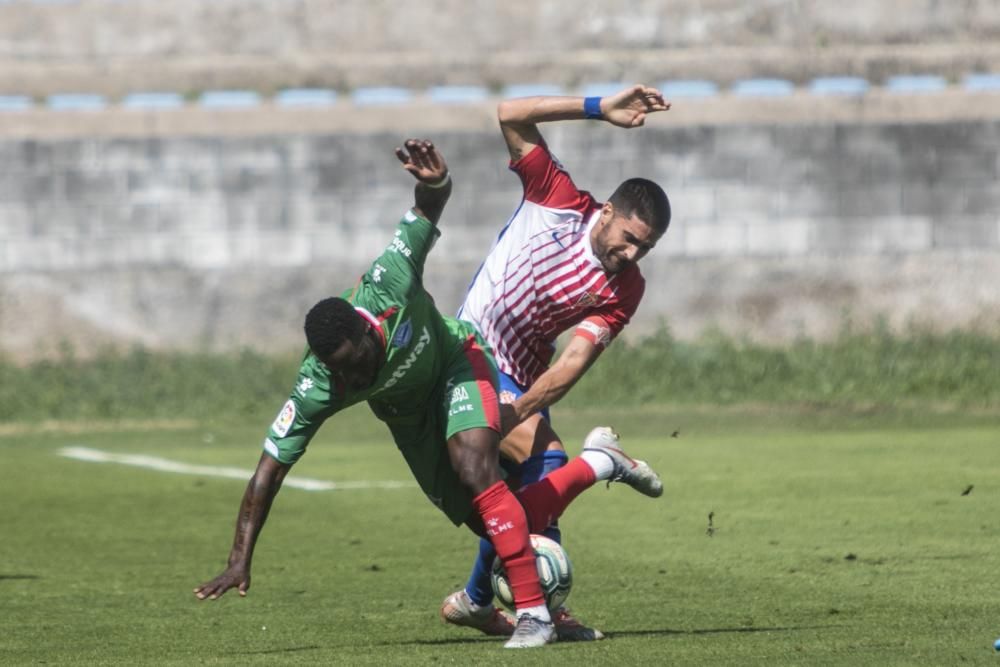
(284, 420)
(304, 385)
(399, 373)
(404, 332)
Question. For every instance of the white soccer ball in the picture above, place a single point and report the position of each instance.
(555, 573)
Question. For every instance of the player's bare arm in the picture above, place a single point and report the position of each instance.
(553, 384)
(426, 164)
(256, 504)
(519, 117)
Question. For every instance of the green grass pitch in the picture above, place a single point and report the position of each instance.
(835, 539)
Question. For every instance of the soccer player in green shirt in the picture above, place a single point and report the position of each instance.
(433, 381)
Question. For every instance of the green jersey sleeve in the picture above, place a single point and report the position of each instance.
(399, 270)
(310, 403)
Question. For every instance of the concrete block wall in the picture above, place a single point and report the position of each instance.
(114, 48)
(778, 231)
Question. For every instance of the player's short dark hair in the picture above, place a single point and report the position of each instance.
(644, 199)
(330, 323)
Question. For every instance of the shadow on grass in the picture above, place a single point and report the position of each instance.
(5, 577)
(482, 639)
(612, 634)
(290, 649)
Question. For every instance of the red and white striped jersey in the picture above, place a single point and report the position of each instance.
(541, 276)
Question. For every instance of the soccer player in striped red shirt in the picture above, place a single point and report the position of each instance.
(564, 261)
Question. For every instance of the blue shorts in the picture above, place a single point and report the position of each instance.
(533, 468)
(510, 391)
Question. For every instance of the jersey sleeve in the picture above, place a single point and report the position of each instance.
(547, 183)
(307, 407)
(602, 325)
(399, 270)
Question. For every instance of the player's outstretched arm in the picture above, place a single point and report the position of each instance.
(553, 384)
(257, 499)
(426, 164)
(519, 117)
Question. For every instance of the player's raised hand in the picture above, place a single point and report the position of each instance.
(235, 576)
(423, 161)
(630, 107)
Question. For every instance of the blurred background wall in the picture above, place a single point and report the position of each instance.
(196, 174)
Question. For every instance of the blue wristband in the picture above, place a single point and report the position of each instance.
(592, 108)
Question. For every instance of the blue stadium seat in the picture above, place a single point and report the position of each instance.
(688, 88)
(76, 102)
(15, 103)
(763, 87)
(381, 95)
(982, 82)
(531, 90)
(306, 97)
(458, 94)
(839, 85)
(916, 84)
(153, 101)
(229, 99)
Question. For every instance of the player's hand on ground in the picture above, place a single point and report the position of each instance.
(630, 107)
(235, 576)
(422, 160)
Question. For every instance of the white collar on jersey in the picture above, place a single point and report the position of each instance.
(589, 249)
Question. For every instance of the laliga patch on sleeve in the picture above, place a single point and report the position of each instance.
(284, 420)
(601, 334)
(409, 218)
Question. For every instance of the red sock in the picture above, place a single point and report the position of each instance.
(507, 528)
(545, 500)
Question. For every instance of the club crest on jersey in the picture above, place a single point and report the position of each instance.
(507, 397)
(587, 299)
(404, 332)
(284, 420)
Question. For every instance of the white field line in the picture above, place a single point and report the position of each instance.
(164, 465)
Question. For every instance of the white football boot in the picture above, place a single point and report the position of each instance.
(633, 472)
(531, 632)
(457, 610)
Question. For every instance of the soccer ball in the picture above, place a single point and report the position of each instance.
(555, 573)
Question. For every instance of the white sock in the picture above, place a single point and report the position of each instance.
(600, 462)
(473, 607)
(540, 612)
